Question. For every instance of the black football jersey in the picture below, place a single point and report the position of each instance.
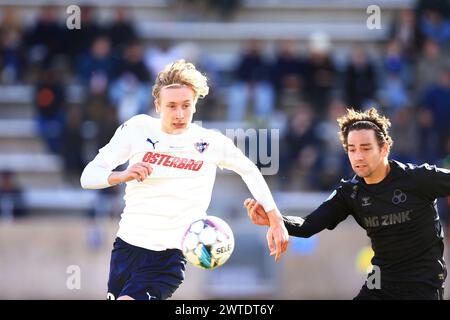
(399, 215)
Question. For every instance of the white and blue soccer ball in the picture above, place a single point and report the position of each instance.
(208, 243)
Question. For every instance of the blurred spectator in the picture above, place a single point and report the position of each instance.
(434, 26)
(442, 6)
(446, 161)
(200, 10)
(11, 197)
(95, 70)
(394, 61)
(121, 31)
(72, 150)
(287, 75)
(437, 101)
(290, 95)
(301, 152)
(80, 40)
(130, 92)
(129, 96)
(320, 72)
(12, 60)
(132, 63)
(188, 10)
(428, 66)
(107, 127)
(404, 130)
(360, 80)
(333, 162)
(157, 57)
(428, 137)
(49, 101)
(396, 77)
(45, 39)
(251, 85)
(94, 112)
(95, 67)
(224, 8)
(192, 52)
(405, 31)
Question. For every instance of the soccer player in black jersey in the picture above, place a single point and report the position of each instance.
(394, 202)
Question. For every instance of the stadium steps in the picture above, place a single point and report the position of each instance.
(346, 5)
(22, 151)
(11, 145)
(59, 199)
(16, 111)
(29, 161)
(263, 30)
(19, 135)
(34, 170)
(23, 94)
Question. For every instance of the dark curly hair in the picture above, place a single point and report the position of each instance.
(370, 119)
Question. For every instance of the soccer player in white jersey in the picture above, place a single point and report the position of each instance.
(169, 181)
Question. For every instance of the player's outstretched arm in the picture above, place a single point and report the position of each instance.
(327, 216)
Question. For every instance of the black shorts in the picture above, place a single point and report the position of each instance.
(144, 274)
(401, 291)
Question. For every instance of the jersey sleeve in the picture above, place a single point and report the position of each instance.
(233, 159)
(327, 216)
(433, 182)
(115, 153)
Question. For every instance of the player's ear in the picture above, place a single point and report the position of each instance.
(157, 106)
(385, 150)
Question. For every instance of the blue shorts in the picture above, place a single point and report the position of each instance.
(144, 274)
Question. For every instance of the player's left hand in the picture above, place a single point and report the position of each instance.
(277, 239)
(277, 236)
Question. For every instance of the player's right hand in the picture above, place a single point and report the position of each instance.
(256, 212)
(138, 171)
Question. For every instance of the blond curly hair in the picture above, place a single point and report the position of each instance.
(181, 73)
(370, 119)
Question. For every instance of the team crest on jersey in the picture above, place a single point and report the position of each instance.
(201, 146)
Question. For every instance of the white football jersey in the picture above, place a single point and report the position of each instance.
(178, 191)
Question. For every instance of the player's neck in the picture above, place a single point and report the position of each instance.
(380, 173)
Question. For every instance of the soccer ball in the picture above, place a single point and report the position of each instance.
(208, 243)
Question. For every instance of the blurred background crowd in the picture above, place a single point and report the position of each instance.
(80, 85)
